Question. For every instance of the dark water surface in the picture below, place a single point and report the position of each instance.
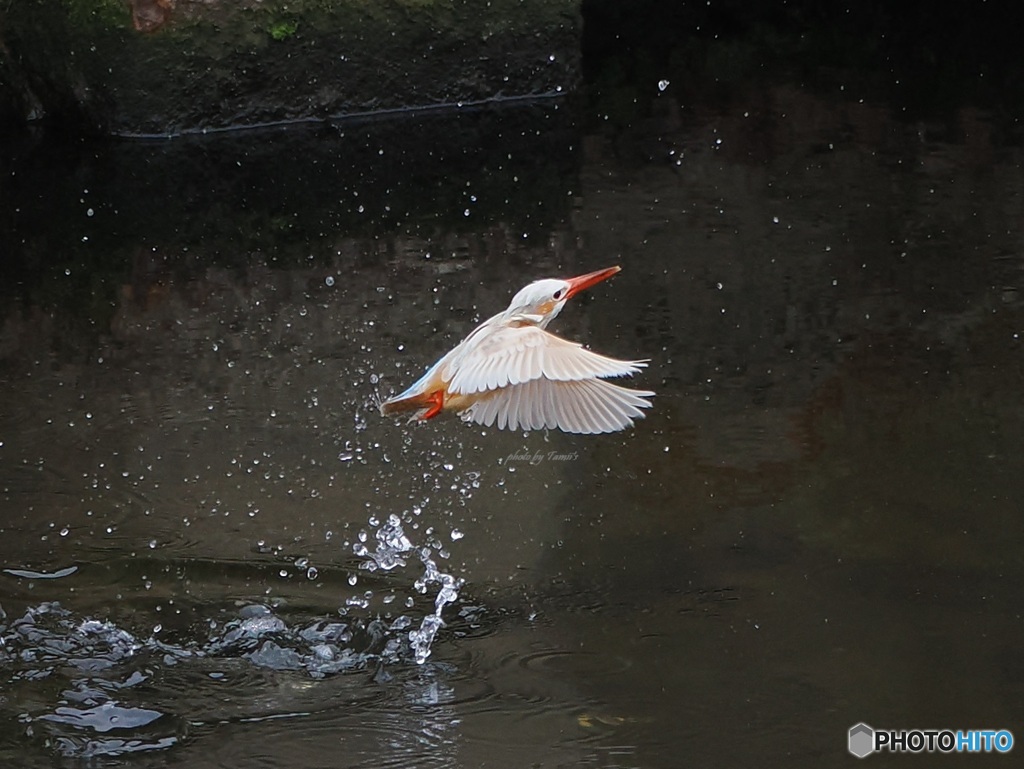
(214, 549)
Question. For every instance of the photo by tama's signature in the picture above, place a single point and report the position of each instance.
(536, 457)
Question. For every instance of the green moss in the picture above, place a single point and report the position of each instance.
(282, 30)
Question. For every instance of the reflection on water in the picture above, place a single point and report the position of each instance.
(215, 549)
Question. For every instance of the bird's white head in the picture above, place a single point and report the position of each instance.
(541, 301)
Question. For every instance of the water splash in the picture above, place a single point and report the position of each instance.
(420, 640)
(393, 550)
(392, 544)
(102, 667)
(100, 674)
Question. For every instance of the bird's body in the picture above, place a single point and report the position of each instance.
(510, 372)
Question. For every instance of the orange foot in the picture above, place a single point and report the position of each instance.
(437, 399)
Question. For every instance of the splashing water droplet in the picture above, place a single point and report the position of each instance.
(394, 549)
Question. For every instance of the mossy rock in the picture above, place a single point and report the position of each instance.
(174, 66)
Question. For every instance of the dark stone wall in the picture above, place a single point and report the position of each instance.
(164, 67)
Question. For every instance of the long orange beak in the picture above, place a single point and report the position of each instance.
(586, 281)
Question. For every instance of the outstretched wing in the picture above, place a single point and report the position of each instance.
(574, 406)
(518, 355)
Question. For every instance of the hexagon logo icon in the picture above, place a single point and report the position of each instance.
(861, 740)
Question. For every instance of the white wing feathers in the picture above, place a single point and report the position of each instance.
(516, 355)
(528, 379)
(580, 406)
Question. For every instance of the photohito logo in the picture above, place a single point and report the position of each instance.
(864, 740)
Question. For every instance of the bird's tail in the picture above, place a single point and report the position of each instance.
(403, 402)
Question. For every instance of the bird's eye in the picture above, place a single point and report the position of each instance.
(559, 292)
